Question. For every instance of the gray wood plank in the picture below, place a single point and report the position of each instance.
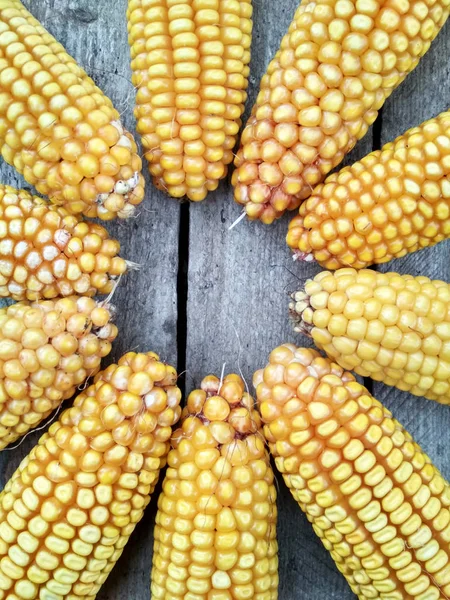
(238, 292)
(95, 34)
(419, 98)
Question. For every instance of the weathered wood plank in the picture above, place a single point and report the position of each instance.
(95, 34)
(419, 98)
(239, 285)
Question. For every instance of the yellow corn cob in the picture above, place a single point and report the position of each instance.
(393, 328)
(69, 509)
(58, 128)
(372, 495)
(393, 201)
(215, 534)
(46, 252)
(335, 67)
(47, 349)
(190, 63)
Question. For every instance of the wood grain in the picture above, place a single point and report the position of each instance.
(234, 310)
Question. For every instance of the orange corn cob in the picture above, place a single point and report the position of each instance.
(68, 511)
(215, 534)
(46, 252)
(390, 327)
(335, 67)
(47, 349)
(58, 128)
(378, 504)
(394, 201)
(190, 64)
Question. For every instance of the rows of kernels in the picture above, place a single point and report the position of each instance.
(47, 349)
(56, 126)
(190, 65)
(392, 202)
(336, 66)
(372, 495)
(68, 511)
(390, 327)
(215, 533)
(46, 252)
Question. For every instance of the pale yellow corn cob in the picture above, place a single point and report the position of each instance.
(68, 511)
(393, 201)
(215, 534)
(46, 252)
(393, 328)
(372, 495)
(335, 68)
(47, 349)
(190, 63)
(57, 127)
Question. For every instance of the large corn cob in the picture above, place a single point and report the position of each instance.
(56, 126)
(69, 509)
(372, 495)
(336, 66)
(393, 201)
(46, 252)
(190, 63)
(393, 328)
(215, 534)
(47, 349)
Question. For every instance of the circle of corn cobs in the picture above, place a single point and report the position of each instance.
(372, 495)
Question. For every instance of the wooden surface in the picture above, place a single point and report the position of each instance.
(207, 296)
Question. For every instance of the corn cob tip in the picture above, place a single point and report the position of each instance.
(297, 306)
(225, 406)
(259, 190)
(46, 252)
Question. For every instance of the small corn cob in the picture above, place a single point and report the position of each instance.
(47, 349)
(58, 128)
(46, 252)
(215, 534)
(190, 63)
(68, 511)
(373, 496)
(393, 201)
(390, 327)
(335, 67)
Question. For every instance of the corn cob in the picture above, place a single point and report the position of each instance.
(215, 534)
(46, 252)
(190, 64)
(57, 127)
(393, 201)
(392, 328)
(68, 511)
(47, 349)
(372, 495)
(335, 67)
